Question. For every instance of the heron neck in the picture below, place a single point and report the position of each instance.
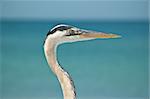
(63, 77)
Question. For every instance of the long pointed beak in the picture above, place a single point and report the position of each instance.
(93, 34)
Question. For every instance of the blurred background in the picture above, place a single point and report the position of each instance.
(101, 69)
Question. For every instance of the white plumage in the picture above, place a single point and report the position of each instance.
(62, 34)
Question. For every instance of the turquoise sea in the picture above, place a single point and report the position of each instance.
(101, 69)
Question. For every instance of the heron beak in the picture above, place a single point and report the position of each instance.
(93, 34)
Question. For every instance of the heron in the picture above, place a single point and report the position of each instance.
(63, 33)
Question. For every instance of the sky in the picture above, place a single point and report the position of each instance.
(84, 9)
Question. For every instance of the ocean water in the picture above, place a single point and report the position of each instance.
(100, 69)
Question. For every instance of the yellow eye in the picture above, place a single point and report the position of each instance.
(71, 32)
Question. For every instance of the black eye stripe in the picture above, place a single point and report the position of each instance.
(73, 34)
(63, 28)
(60, 28)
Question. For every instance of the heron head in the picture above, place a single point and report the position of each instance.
(66, 33)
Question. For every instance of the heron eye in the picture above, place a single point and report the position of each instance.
(70, 33)
(73, 32)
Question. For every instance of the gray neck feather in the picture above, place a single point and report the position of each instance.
(65, 80)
